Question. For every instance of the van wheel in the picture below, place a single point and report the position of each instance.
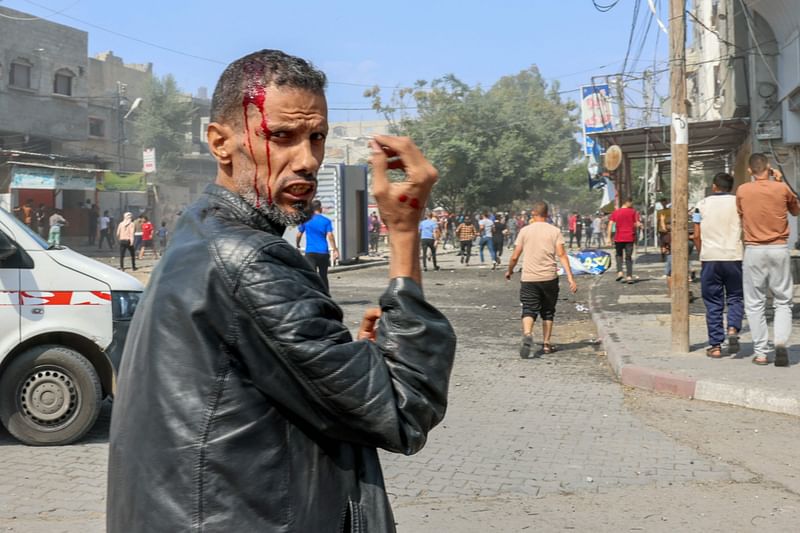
(49, 395)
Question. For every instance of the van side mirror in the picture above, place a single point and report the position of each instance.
(7, 248)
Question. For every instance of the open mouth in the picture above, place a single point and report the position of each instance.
(299, 190)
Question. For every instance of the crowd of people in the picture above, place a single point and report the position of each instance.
(134, 236)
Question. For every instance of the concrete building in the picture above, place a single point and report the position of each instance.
(113, 86)
(44, 83)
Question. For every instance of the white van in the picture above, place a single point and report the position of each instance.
(63, 322)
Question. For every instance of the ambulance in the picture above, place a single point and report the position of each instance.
(63, 322)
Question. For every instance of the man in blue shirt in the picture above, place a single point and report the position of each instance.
(429, 238)
(319, 232)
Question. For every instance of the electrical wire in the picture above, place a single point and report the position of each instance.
(604, 8)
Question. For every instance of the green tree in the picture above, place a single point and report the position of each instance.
(161, 123)
(492, 147)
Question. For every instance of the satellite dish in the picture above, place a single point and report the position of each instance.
(613, 157)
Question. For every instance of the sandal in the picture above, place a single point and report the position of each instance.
(760, 360)
(629, 281)
(620, 275)
(714, 352)
(548, 348)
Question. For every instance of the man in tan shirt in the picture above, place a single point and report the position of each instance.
(764, 206)
(540, 243)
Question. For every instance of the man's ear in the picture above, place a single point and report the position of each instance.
(221, 142)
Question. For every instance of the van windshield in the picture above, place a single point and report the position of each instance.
(18, 225)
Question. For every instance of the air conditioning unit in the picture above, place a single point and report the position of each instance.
(768, 130)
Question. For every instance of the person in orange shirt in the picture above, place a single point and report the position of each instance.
(764, 205)
(542, 245)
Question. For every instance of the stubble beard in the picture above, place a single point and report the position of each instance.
(302, 210)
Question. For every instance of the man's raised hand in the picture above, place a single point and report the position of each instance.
(401, 203)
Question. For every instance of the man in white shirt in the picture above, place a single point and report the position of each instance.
(104, 222)
(718, 238)
(487, 232)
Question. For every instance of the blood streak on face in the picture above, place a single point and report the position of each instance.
(255, 94)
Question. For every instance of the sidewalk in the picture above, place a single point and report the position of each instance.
(634, 323)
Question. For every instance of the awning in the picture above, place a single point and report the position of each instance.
(706, 139)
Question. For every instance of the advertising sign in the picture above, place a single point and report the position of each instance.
(596, 113)
(51, 179)
(124, 182)
(149, 160)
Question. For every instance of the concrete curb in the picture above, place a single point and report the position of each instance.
(632, 375)
(358, 266)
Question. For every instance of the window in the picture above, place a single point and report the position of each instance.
(97, 127)
(20, 75)
(62, 83)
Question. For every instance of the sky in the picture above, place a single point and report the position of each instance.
(364, 43)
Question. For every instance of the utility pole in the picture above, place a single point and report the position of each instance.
(621, 101)
(122, 103)
(624, 182)
(679, 140)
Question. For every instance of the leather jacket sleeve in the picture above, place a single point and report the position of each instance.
(386, 394)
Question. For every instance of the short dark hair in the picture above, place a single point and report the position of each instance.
(274, 67)
(540, 209)
(316, 205)
(723, 181)
(758, 163)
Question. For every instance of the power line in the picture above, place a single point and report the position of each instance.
(604, 8)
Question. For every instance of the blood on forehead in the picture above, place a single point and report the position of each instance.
(255, 94)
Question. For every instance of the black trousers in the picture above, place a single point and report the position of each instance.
(320, 262)
(125, 245)
(104, 234)
(627, 247)
(466, 251)
(428, 244)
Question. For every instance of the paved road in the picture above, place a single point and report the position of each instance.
(545, 444)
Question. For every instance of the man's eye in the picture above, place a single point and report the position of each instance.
(279, 135)
(317, 136)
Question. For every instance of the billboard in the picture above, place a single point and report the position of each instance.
(51, 179)
(124, 182)
(596, 113)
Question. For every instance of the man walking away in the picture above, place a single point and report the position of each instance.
(319, 234)
(764, 205)
(429, 234)
(104, 223)
(540, 243)
(465, 232)
(718, 239)
(147, 238)
(125, 236)
(624, 222)
(498, 239)
(487, 232)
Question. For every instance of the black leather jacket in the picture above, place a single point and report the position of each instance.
(244, 405)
